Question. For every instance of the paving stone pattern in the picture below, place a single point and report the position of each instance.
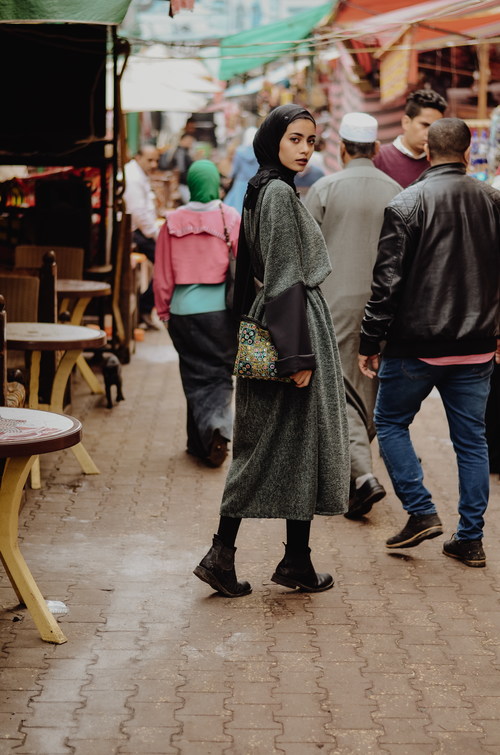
(401, 657)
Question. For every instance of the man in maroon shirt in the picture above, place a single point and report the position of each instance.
(404, 160)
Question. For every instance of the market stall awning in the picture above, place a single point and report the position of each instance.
(249, 49)
(152, 82)
(109, 12)
(434, 24)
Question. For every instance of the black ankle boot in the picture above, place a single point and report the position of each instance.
(217, 570)
(296, 570)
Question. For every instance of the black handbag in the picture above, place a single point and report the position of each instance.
(231, 267)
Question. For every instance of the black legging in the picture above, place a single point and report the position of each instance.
(297, 532)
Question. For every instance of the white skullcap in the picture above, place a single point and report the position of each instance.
(358, 127)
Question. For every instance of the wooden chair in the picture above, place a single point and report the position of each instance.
(30, 296)
(69, 259)
(12, 392)
(21, 296)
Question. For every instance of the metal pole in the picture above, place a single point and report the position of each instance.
(484, 77)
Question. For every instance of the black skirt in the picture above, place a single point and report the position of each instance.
(206, 344)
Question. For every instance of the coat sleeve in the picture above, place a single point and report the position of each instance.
(285, 299)
(395, 250)
(163, 277)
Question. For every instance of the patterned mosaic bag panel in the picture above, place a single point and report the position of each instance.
(257, 356)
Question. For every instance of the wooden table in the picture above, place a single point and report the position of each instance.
(81, 292)
(25, 433)
(36, 337)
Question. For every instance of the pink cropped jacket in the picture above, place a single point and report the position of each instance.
(191, 248)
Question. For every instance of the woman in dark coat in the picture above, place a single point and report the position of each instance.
(291, 445)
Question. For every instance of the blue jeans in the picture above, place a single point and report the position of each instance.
(403, 384)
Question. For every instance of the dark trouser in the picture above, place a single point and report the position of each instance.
(145, 246)
(492, 421)
(206, 344)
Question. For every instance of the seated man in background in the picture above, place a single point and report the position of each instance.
(140, 203)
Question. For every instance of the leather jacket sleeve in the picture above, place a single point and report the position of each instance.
(395, 251)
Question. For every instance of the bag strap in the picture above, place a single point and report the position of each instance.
(226, 232)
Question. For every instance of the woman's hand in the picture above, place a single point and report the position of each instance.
(302, 378)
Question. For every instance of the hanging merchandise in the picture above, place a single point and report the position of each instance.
(494, 144)
(479, 154)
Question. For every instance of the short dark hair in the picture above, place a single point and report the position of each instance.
(359, 149)
(448, 137)
(144, 147)
(422, 98)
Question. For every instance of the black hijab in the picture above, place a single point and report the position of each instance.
(266, 146)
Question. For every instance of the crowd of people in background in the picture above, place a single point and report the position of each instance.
(409, 275)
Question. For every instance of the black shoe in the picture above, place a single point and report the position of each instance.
(470, 552)
(217, 570)
(296, 570)
(418, 528)
(218, 450)
(363, 499)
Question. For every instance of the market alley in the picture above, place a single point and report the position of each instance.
(401, 657)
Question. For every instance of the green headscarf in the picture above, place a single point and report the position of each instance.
(203, 180)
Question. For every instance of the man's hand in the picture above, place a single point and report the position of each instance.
(369, 365)
(302, 378)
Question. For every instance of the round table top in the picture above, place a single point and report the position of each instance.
(47, 336)
(26, 432)
(71, 287)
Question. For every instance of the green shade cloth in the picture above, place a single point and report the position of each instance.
(203, 180)
(75, 11)
(279, 34)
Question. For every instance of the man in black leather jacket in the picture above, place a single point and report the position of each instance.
(436, 303)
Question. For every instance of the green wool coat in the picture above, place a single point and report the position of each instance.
(290, 445)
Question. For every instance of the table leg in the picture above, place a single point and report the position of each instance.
(14, 476)
(76, 319)
(79, 309)
(61, 378)
(35, 477)
(64, 307)
(84, 459)
(56, 405)
(35, 480)
(34, 379)
(88, 375)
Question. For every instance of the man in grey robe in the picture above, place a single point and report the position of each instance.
(349, 208)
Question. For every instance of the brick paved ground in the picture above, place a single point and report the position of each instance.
(401, 657)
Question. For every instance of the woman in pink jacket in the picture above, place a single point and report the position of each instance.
(191, 262)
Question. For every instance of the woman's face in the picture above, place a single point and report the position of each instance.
(297, 144)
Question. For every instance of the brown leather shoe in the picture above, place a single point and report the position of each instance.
(218, 450)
